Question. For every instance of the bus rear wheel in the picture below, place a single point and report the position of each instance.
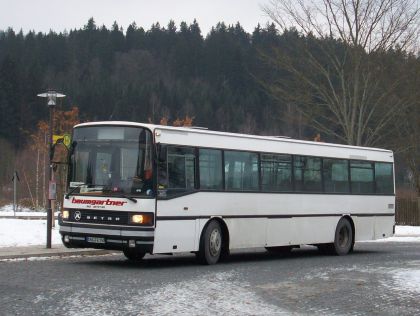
(343, 239)
(133, 254)
(210, 244)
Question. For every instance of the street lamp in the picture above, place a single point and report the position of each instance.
(51, 98)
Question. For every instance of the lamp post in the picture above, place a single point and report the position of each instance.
(51, 96)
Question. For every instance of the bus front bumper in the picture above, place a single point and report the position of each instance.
(103, 237)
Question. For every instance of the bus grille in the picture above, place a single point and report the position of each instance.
(99, 217)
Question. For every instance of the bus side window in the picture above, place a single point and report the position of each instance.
(336, 175)
(180, 168)
(276, 173)
(383, 178)
(211, 177)
(241, 171)
(308, 174)
(361, 175)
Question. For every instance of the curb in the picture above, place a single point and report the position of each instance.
(25, 217)
(57, 253)
(29, 217)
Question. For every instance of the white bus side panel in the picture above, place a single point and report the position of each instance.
(313, 230)
(175, 236)
(247, 232)
(300, 225)
(384, 227)
(365, 228)
(279, 231)
(369, 228)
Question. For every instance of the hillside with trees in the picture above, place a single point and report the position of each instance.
(227, 80)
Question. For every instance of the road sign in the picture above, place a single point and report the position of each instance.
(65, 139)
(52, 190)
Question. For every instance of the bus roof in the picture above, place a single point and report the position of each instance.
(200, 130)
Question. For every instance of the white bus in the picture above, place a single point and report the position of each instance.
(144, 188)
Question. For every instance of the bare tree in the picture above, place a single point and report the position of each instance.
(408, 145)
(339, 78)
(406, 141)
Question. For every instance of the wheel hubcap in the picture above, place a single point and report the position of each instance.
(343, 237)
(215, 242)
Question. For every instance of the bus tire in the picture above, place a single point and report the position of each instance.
(133, 254)
(210, 243)
(343, 239)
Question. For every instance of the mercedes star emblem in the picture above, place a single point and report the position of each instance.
(77, 215)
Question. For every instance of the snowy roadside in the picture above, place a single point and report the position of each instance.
(403, 234)
(20, 232)
(7, 211)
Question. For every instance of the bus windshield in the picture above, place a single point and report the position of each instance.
(111, 160)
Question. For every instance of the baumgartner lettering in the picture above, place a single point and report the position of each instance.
(98, 202)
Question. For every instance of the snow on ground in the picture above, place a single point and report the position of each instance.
(398, 239)
(20, 232)
(7, 210)
(407, 279)
(217, 293)
(214, 294)
(403, 234)
(407, 230)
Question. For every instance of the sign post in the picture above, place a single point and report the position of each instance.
(15, 179)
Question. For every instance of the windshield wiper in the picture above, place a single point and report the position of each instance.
(80, 185)
(126, 197)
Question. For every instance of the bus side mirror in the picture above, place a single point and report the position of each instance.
(161, 152)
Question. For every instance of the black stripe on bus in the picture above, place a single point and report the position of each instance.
(110, 227)
(137, 238)
(174, 218)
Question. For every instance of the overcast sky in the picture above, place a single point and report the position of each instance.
(58, 15)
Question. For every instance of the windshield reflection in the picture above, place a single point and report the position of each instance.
(108, 160)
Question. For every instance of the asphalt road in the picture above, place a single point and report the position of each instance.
(377, 279)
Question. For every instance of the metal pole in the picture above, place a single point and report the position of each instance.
(50, 173)
(14, 193)
(51, 96)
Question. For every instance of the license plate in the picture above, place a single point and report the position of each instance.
(96, 240)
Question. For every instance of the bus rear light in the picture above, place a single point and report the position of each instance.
(141, 219)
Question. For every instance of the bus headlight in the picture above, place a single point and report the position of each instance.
(137, 219)
(141, 219)
(65, 214)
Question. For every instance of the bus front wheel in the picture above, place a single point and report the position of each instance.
(210, 244)
(133, 254)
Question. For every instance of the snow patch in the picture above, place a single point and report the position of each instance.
(217, 294)
(211, 294)
(407, 230)
(55, 257)
(407, 280)
(19, 232)
(7, 210)
(396, 239)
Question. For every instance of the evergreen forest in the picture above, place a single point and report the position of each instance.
(224, 80)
